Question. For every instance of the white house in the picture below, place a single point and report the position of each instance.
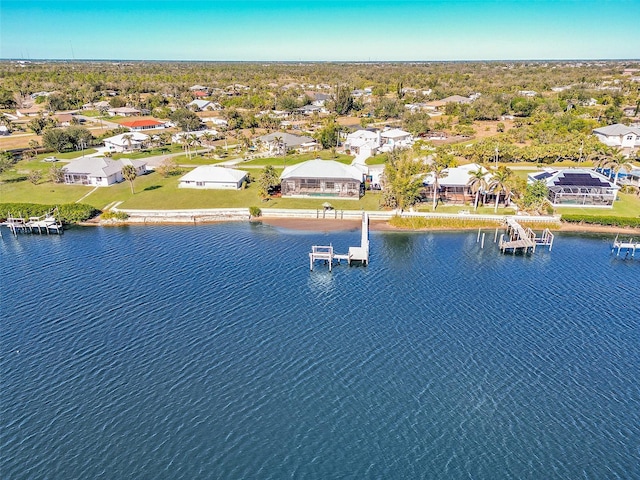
(126, 142)
(99, 171)
(123, 111)
(363, 143)
(204, 105)
(619, 135)
(454, 187)
(395, 138)
(577, 187)
(213, 177)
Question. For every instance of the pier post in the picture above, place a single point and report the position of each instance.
(478, 238)
(482, 244)
(495, 237)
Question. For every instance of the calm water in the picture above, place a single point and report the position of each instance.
(213, 352)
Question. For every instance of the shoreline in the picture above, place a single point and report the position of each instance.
(335, 225)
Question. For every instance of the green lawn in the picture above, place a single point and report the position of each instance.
(153, 152)
(48, 193)
(627, 205)
(299, 158)
(66, 155)
(486, 210)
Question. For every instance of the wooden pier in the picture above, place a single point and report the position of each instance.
(524, 239)
(47, 223)
(356, 254)
(630, 247)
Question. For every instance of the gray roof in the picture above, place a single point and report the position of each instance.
(322, 169)
(289, 139)
(100, 166)
(616, 130)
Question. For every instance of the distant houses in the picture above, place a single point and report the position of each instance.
(209, 177)
(366, 143)
(123, 112)
(143, 124)
(278, 143)
(100, 171)
(322, 179)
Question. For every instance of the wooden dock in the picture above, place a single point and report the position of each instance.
(630, 247)
(360, 253)
(47, 223)
(524, 239)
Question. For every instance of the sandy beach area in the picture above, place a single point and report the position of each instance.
(332, 225)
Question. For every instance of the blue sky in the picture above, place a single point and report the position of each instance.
(324, 30)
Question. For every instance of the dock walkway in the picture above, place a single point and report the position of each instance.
(520, 238)
(629, 246)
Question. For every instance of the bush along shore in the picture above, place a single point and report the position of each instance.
(603, 220)
(68, 213)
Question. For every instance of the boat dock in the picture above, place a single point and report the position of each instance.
(47, 223)
(356, 254)
(629, 246)
(525, 239)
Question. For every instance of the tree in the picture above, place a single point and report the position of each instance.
(186, 120)
(56, 174)
(328, 136)
(500, 183)
(614, 163)
(6, 161)
(35, 176)
(267, 181)
(129, 173)
(438, 171)
(477, 183)
(55, 139)
(342, 100)
(401, 179)
(128, 139)
(535, 196)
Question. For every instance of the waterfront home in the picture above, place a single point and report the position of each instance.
(455, 188)
(126, 142)
(577, 187)
(213, 177)
(143, 124)
(618, 135)
(278, 143)
(322, 179)
(99, 171)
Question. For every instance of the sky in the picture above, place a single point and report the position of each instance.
(325, 30)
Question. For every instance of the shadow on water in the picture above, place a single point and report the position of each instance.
(400, 247)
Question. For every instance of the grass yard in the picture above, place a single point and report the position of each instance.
(299, 158)
(486, 210)
(627, 205)
(153, 152)
(48, 193)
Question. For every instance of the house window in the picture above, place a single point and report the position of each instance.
(329, 185)
(199, 184)
(629, 137)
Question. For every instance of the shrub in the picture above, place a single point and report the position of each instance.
(69, 212)
(602, 220)
(255, 211)
(111, 215)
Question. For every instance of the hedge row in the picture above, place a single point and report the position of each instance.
(69, 212)
(603, 220)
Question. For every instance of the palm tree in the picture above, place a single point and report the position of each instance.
(128, 139)
(500, 183)
(614, 163)
(130, 174)
(438, 171)
(477, 183)
(278, 144)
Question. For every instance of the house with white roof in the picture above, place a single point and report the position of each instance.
(208, 177)
(620, 136)
(204, 105)
(577, 187)
(123, 111)
(322, 179)
(363, 143)
(395, 138)
(99, 171)
(126, 142)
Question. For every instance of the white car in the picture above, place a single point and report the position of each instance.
(51, 159)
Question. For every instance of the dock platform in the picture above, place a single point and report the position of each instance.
(630, 247)
(525, 239)
(327, 254)
(47, 223)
